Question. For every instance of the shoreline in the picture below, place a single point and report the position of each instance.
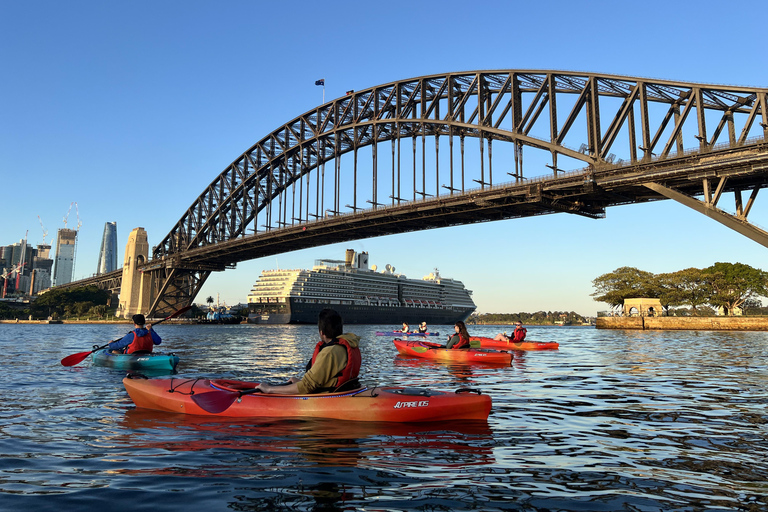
(685, 323)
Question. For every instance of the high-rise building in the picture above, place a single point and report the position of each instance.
(108, 252)
(64, 262)
(41, 269)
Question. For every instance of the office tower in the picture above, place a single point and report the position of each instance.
(64, 262)
(108, 252)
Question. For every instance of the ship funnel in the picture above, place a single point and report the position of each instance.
(362, 261)
(349, 257)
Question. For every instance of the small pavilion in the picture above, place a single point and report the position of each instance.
(642, 307)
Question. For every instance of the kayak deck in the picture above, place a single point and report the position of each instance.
(484, 342)
(152, 361)
(435, 351)
(387, 404)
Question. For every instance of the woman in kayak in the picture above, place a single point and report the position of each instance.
(335, 363)
(406, 328)
(517, 335)
(423, 327)
(461, 338)
(141, 340)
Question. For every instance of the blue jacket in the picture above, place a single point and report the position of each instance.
(128, 339)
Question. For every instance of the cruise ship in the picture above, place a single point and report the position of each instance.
(362, 295)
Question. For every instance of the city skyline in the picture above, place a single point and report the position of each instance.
(164, 121)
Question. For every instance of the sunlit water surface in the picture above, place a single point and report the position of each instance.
(614, 420)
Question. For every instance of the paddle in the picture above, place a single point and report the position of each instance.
(218, 401)
(74, 359)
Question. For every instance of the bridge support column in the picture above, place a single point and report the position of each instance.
(135, 290)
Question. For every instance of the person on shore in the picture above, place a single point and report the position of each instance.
(406, 328)
(334, 366)
(423, 327)
(139, 341)
(517, 336)
(460, 339)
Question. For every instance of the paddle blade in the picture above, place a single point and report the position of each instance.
(215, 402)
(74, 359)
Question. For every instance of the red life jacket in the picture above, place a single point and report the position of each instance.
(140, 343)
(520, 334)
(352, 368)
(462, 343)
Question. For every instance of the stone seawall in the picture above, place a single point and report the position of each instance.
(674, 323)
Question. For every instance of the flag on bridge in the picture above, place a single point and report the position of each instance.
(320, 82)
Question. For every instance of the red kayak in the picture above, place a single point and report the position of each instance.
(508, 345)
(438, 352)
(233, 398)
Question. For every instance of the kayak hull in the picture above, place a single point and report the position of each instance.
(506, 345)
(397, 333)
(435, 351)
(153, 361)
(385, 404)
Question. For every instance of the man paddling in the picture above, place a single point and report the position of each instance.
(141, 340)
(335, 363)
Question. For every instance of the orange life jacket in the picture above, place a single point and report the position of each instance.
(352, 368)
(520, 334)
(140, 343)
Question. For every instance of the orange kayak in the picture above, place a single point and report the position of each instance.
(436, 351)
(507, 345)
(200, 396)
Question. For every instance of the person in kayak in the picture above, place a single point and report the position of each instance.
(139, 341)
(335, 363)
(406, 328)
(517, 336)
(460, 339)
(423, 327)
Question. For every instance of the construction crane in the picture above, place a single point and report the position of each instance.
(77, 210)
(45, 231)
(66, 217)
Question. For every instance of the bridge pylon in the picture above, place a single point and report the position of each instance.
(135, 290)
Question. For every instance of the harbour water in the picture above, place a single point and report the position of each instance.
(613, 420)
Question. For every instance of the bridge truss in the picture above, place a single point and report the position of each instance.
(469, 147)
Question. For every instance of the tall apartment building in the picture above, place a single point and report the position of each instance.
(41, 270)
(108, 252)
(64, 262)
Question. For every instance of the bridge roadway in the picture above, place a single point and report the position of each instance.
(584, 192)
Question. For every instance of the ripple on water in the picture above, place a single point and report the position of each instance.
(614, 420)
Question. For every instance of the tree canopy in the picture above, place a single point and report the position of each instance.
(625, 283)
(726, 285)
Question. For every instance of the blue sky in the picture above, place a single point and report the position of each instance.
(130, 109)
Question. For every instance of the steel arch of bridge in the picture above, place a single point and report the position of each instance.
(286, 170)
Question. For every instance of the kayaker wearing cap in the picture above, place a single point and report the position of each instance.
(518, 335)
(335, 363)
(141, 340)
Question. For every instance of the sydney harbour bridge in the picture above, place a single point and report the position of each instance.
(467, 147)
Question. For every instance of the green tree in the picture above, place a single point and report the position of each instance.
(734, 283)
(625, 283)
(63, 301)
(688, 287)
